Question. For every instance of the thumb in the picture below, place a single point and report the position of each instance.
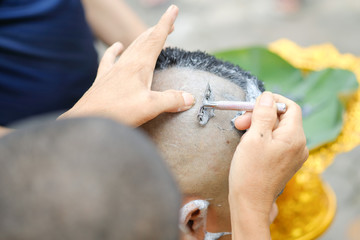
(174, 101)
(264, 115)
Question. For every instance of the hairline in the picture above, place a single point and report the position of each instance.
(198, 60)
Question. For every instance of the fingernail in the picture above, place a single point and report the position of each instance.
(170, 8)
(267, 99)
(188, 99)
(118, 46)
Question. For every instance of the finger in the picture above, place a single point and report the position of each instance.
(305, 154)
(290, 121)
(171, 29)
(151, 42)
(161, 31)
(173, 101)
(109, 57)
(264, 115)
(293, 110)
(243, 122)
(274, 212)
(277, 123)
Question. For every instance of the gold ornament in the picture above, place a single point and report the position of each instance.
(307, 206)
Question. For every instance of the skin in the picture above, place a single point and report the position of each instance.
(273, 150)
(202, 169)
(122, 92)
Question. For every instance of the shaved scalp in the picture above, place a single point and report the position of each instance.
(198, 60)
(200, 155)
(87, 179)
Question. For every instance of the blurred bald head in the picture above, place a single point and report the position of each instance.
(84, 179)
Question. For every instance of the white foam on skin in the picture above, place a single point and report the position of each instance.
(252, 91)
(202, 206)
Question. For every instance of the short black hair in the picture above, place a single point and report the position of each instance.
(176, 57)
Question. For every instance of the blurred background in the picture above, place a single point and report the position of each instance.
(212, 25)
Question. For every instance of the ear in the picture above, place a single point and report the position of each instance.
(193, 219)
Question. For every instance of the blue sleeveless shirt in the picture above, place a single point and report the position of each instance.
(47, 57)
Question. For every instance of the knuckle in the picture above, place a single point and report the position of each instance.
(295, 145)
(172, 99)
(175, 95)
(297, 108)
(151, 102)
(146, 68)
(300, 140)
(252, 138)
(142, 70)
(302, 153)
(306, 154)
(265, 117)
(303, 142)
(172, 92)
(150, 98)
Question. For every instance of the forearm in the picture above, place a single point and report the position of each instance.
(113, 20)
(4, 131)
(247, 223)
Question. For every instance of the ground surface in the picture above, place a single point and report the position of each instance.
(211, 25)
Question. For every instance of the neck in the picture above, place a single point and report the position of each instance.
(218, 220)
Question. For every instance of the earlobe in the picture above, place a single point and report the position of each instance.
(193, 219)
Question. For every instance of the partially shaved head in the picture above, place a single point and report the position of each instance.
(201, 61)
(200, 156)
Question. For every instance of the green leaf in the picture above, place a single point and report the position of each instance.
(324, 84)
(265, 65)
(320, 94)
(324, 124)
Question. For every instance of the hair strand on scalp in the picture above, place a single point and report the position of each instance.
(198, 60)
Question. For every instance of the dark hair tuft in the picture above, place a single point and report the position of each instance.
(198, 60)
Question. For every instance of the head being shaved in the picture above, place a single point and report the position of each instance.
(200, 156)
(201, 61)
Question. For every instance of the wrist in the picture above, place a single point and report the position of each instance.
(252, 206)
(83, 108)
(246, 221)
(252, 195)
(74, 113)
(68, 114)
